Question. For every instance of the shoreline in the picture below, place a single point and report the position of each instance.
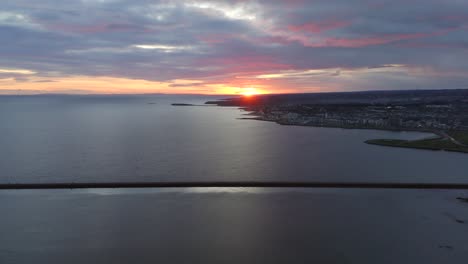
(443, 114)
(260, 118)
(393, 143)
(438, 136)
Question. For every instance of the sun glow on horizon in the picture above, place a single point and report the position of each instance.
(105, 85)
(251, 91)
(81, 84)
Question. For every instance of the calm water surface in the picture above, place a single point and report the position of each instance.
(237, 225)
(144, 138)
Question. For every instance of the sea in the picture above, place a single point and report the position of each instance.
(97, 138)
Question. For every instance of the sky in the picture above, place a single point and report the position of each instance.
(231, 47)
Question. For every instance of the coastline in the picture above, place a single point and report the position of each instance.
(443, 141)
(412, 144)
(443, 114)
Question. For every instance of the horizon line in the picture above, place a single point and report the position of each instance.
(210, 94)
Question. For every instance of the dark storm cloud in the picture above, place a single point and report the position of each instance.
(215, 41)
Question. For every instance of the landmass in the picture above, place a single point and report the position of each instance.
(430, 144)
(178, 104)
(441, 112)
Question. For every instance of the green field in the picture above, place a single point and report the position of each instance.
(430, 144)
(461, 136)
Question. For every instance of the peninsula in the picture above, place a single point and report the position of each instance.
(442, 112)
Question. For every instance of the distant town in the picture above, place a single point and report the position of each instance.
(442, 112)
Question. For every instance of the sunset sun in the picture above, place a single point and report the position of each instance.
(250, 92)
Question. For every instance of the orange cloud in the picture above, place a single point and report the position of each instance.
(112, 85)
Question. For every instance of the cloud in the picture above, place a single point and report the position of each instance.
(17, 71)
(274, 45)
(163, 48)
